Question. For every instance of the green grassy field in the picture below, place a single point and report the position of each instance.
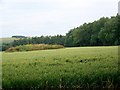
(82, 67)
(7, 40)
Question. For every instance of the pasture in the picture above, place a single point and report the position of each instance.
(79, 67)
(7, 40)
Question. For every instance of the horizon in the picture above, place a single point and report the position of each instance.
(49, 18)
(51, 35)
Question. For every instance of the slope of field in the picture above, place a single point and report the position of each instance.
(71, 67)
(7, 40)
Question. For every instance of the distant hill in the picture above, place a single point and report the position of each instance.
(17, 36)
(11, 39)
(7, 40)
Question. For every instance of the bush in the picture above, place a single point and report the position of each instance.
(31, 47)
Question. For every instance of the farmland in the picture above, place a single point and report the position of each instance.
(78, 67)
(7, 40)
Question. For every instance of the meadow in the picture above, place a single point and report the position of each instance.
(78, 67)
(7, 40)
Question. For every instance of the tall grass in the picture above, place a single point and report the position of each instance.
(31, 47)
(85, 67)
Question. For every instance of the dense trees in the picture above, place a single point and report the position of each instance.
(105, 31)
(59, 39)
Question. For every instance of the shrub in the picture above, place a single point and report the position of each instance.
(31, 47)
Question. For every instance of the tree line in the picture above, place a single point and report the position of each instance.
(57, 40)
(103, 32)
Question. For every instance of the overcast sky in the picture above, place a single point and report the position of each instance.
(50, 17)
